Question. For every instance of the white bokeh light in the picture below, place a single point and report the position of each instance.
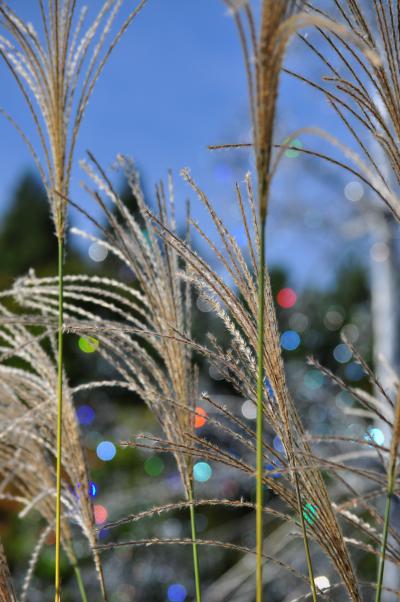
(380, 252)
(97, 252)
(322, 582)
(354, 191)
(249, 410)
(203, 304)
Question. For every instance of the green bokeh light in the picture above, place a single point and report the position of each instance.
(154, 466)
(88, 344)
(295, 146)
(310, 513)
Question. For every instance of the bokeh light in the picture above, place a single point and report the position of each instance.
(310, 513)
(176, 593)
(272, 470)
(92, 489)
(106, 451)
(286, 298)
(154, 466)
(202, 472)
(295, 146)
(278, 445)
(342, 353)
(100, 514)
(97, 252)
(354, 191)
(322, 582)
(333, 318)
(200, 417)
(351, 332)
(203, 304)
(85, 414)
(354, 371)
(249, 410)
(290, 340)
(269, 388)
(376, 435)
(313, 379)
(380, 252)
(88, 344)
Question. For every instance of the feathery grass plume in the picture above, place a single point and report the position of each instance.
(28, 440)
(365, 95)
(7, 593)
(239, 312)
(389, 413)
(165, 377)
(363, 87)
(131, 311)
(263, 55)
(56, 73)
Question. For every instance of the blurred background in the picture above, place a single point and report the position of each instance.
(174, 86)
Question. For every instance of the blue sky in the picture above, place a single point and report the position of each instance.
(174, 85)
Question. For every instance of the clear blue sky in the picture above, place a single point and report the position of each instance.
(174, 85)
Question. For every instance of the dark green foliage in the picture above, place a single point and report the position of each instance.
(27, 232)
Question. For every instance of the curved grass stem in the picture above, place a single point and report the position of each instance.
(381, 566)
(391, 482)
(78, 576)
(259, 426)
(57, 581)
(196, 567)
(305, 539)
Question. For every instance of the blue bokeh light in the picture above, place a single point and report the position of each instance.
(290, 340)
(202, 472)
(376, 435)
(269, 388)
(278, 445)
(354, 371)
(271, 469)
(106, 451)
(176, 593)
(342, 353)
(86, 414)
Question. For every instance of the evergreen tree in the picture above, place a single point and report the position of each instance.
(26, 232)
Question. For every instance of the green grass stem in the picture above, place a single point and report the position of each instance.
(259, 426)
(196, 567)
(57, 577)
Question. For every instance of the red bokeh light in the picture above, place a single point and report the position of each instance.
(100, 514)
(200, 417)
(286, 298)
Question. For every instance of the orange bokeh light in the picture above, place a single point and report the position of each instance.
(200, 417)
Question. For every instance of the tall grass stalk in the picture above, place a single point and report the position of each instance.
(259, 427)
(56, 75)
(196, 566)
(391, 483)
(305, 539)
(79, 580)
(59, 416)
(168, 310)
